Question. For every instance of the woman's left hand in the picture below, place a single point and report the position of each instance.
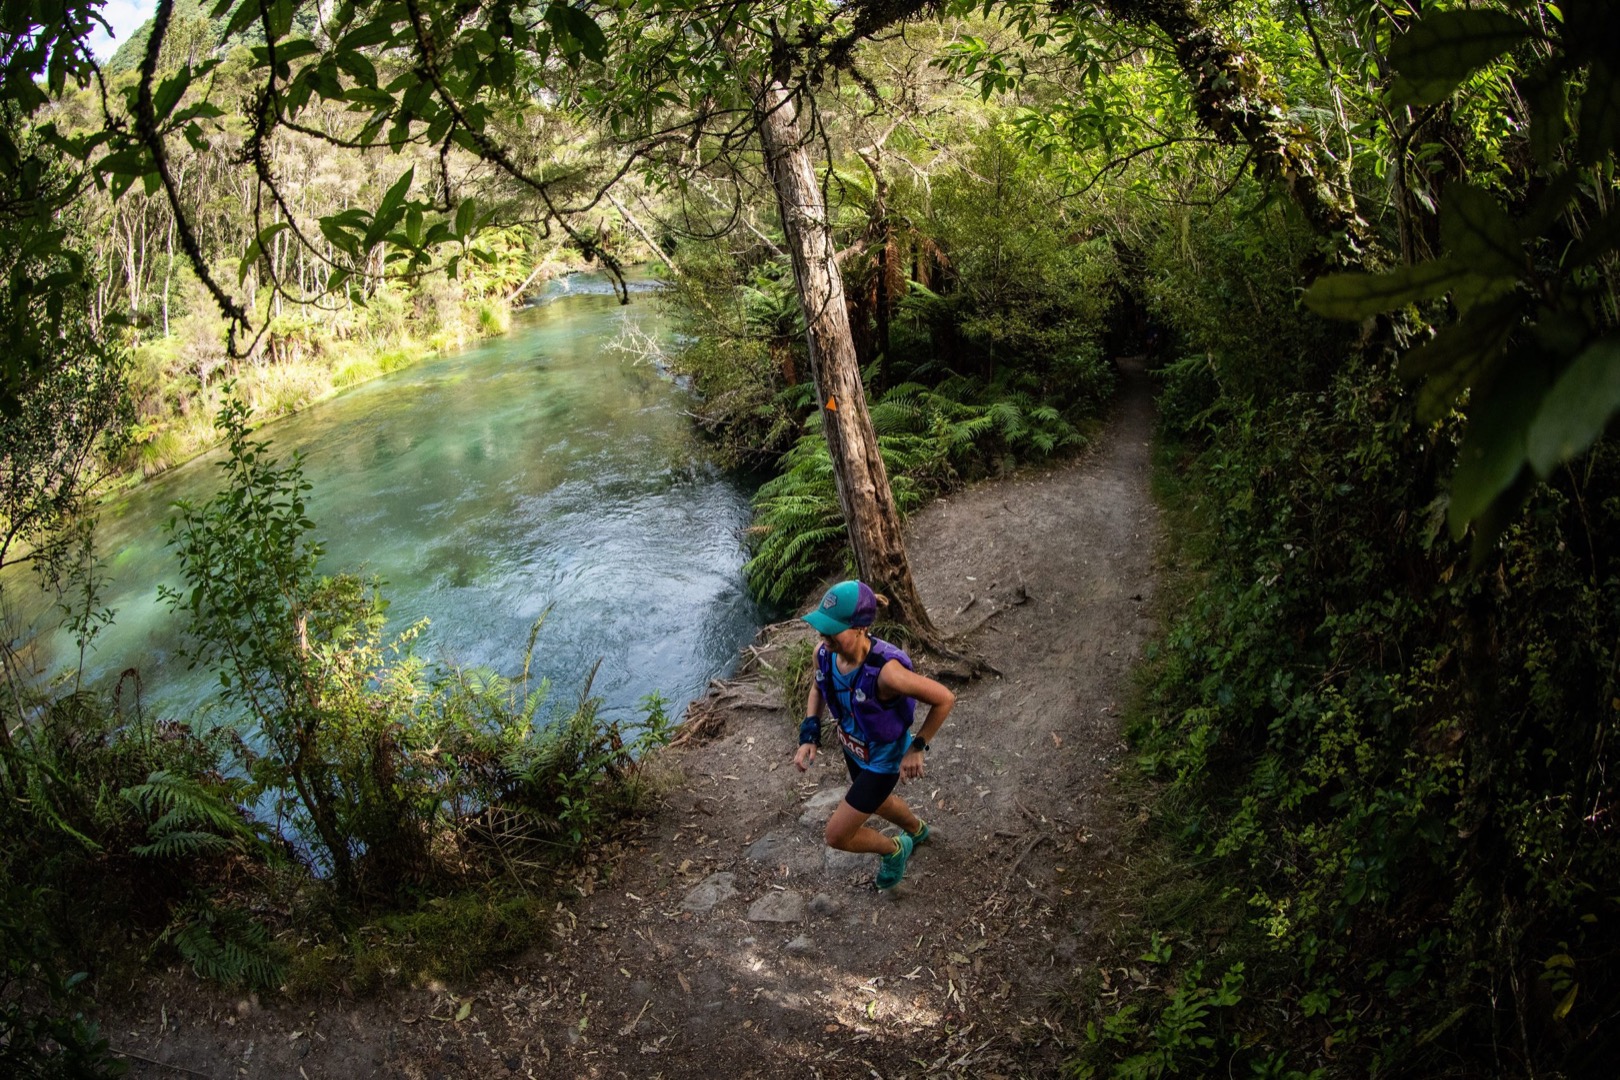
(911, 765)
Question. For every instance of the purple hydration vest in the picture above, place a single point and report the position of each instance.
(880, 721)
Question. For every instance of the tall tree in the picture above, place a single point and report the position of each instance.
(862, 479)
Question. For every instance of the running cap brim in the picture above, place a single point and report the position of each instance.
(847, 604)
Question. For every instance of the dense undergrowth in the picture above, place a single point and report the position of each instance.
(367, 819)
(1381, 840)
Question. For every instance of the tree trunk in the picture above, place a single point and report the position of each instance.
(862, 481)
(168, 272)
(1235, 103)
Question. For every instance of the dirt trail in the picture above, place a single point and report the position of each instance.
(727, 941)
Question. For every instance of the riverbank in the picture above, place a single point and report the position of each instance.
(719, 934)
(177, 380)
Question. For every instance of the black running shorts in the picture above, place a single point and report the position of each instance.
(868, 789)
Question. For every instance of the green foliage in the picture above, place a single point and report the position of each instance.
(188, 817)
(1527, 264)
(58, 424)
(293, 649)
(1227, 284)
(930, 441)
(225, 945)
(1380, 751)
(81, 790)
(1180, 1034)
(1189, 400)
(43, 285)
(743, 346)
(798, 524)
(1027, 279)
(43, 1032)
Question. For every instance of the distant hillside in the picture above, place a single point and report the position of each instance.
(193, 35)
(190, 25)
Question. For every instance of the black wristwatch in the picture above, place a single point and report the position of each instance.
(919, 744)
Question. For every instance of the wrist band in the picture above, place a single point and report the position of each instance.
(810, 731)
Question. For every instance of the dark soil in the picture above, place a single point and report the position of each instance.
(723, 939)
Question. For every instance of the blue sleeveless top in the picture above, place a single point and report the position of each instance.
(874, 733)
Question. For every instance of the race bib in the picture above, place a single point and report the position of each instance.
(857, 749)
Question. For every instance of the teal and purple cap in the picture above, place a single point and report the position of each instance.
(847, 604)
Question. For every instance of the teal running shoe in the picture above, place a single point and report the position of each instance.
(891, 868)
(922, 834)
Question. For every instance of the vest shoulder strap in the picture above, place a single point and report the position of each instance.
(882, 652)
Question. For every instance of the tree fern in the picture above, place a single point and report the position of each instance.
(183, 844)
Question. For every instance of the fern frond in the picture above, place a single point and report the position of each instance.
(184, 844)
(186, 810)
(225, 945)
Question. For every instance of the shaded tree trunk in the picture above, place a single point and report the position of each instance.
(862, 481)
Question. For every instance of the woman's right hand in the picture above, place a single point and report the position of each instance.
(804, 755)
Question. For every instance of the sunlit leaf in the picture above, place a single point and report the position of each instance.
(466, 217)
(391, 209)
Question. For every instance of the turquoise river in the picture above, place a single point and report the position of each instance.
(553, 469)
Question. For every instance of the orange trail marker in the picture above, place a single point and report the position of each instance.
(832, 404)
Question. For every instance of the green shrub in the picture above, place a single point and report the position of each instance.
(742, 342)
(43, 1031)
(1026, 282)
(1386, 751)
(1228, 288)
(1189, 401)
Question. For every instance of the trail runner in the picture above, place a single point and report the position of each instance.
(872, 692)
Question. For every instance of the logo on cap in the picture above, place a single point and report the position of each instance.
(829, 601)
